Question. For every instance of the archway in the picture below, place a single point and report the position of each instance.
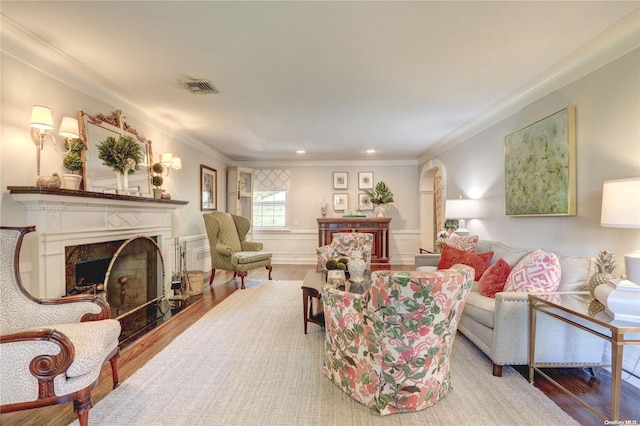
(432, 189)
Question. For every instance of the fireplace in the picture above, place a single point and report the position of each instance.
(67, 219)
(128, 274)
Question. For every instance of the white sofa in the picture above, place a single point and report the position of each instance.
(500, 326)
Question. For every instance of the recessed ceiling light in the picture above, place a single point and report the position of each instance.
(371, 151)
(301, 151)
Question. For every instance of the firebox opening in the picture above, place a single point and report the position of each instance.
(90, 276)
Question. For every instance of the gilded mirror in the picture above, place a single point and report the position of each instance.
(97, 176)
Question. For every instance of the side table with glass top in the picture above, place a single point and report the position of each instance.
(573, 308)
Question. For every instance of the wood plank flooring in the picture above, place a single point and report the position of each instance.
(135, 355)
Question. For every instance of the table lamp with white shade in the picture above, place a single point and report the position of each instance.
(461, 209)
(621, 209)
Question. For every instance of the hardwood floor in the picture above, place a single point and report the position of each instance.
(135, 355)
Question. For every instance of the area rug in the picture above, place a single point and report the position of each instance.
(248, 362)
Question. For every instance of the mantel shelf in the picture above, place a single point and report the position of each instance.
(32, 193)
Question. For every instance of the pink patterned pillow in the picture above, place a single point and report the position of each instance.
(467, 244)
(538, 271)
(494, 278)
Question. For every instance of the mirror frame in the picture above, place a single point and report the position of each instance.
(117, 124)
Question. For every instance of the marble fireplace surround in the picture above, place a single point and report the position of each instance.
(70, 218)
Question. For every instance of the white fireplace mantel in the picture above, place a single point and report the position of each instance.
(67, 218)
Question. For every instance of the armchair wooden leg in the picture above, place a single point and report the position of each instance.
(497, 370)
(213, 274)
(82, 404)
(270, 268)
(242, 274)
(114, 368)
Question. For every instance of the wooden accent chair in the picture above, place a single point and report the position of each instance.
(229, 248)
(52, 350)
(343, 243)
(389, 348)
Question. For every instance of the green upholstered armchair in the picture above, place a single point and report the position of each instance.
(229, 249)
(51, 350)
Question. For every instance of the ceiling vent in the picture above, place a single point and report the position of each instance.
(199, 87)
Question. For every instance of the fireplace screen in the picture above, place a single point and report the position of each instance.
(129, 274)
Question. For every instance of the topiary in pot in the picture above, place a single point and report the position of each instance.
(72, 162)
(157, 181)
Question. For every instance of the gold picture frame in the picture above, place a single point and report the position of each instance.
(540, 167)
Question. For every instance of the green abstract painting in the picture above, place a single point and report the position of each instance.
(539, 164)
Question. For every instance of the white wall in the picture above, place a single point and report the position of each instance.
(608, 147)
(313, 181)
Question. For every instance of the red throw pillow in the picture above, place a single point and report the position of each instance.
(478, 261)
(494, 278)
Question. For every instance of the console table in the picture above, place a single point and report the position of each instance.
(377, 226)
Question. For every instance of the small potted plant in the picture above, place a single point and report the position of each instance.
(451, 225)
(157, 180)
(380, 196)
(72, 162)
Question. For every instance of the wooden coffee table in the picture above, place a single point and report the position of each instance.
(312, 289)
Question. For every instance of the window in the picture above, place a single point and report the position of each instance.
(270, 198)
(269, 209)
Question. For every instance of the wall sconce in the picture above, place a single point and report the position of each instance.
(461, 209)
(171, 163)
(41, 121)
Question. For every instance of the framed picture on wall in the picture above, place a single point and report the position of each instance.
(340, 180)
(365, 180)
(540, 167)
(208, 188)
(364, 202)
(340, 202)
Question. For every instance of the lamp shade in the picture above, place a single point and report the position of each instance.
(177, 163)
(167, 159)
(69, 127)
(461, 209)
(41, 118)
(621, 203)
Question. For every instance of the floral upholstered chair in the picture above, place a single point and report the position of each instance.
(229, 248)
(389, 348)
(343, 243)
(51, 350)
